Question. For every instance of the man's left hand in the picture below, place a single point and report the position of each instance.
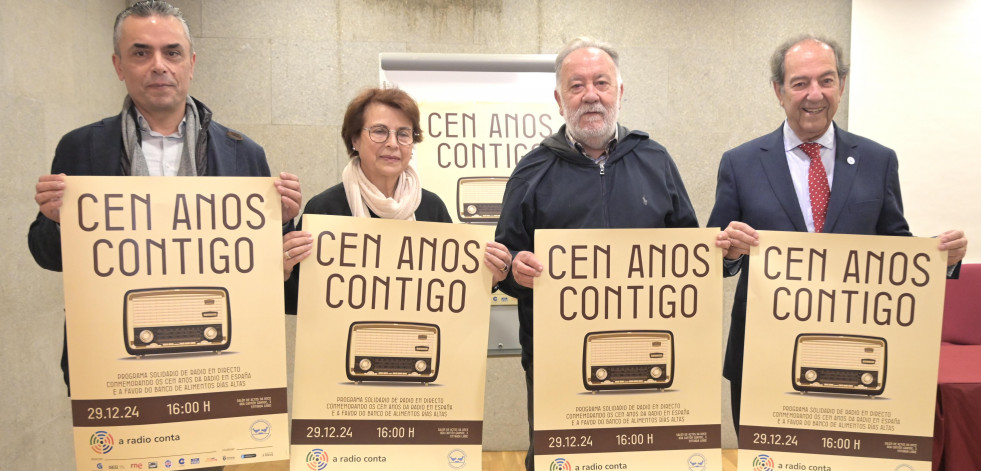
(288, 187)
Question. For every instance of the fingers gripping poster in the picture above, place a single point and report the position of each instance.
(391, 352)
(628, 363)
(842, 348)
(174, 312)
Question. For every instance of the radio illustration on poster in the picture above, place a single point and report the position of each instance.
(393, 351)
(628, 360)
(174, 320)
(850, 364)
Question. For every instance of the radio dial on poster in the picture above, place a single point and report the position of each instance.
(810, 375)
(146, 336)
(364, 364)
(210, 333)
(471, 209)
(656, 372)
(601, 374)
(421, 366)
(868, 379)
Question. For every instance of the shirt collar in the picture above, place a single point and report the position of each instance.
(610, 146)
(141, 122)
(791, 141)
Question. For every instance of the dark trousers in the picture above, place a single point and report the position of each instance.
(735, 396)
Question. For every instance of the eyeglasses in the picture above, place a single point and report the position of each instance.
(380, 134)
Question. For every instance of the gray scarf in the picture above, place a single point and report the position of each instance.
(133, 161)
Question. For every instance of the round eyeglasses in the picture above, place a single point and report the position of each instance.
(380, 134)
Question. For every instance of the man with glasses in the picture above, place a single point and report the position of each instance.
(593, 173)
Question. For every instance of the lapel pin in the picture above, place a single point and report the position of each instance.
(850, 160)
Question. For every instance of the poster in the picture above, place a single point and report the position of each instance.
(470, 149)
(174, 312)
(628, 346)
(391, 342)
(843, 343)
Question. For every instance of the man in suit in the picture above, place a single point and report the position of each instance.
(161, 130)
(851, 186)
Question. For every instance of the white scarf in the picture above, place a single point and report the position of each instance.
(362, 195)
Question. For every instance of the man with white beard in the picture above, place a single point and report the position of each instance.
(592, 173)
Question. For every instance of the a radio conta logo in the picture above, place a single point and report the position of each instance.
(317, 459)
(763, 463)
(101, 442)
(561, 464)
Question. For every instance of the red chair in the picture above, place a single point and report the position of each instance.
(957, 423)
(962, 307)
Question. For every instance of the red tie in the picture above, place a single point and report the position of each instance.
(817, 182)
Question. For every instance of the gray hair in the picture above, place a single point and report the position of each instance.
(778, 68)
(584, 42)
(146, 9)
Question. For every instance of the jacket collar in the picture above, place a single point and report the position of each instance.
(626, 141)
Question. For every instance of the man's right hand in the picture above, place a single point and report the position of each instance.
(525, 268)
(48, 193)
(741, 238)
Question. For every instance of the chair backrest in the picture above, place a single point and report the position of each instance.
(962, 307)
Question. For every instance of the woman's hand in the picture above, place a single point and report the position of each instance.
(297, 245)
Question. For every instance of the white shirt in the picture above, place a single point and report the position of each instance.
(799, 164)
(162, 153)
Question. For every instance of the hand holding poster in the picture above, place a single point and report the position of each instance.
(159, 272)
(628, 327)
(854, 323)
(391, 345)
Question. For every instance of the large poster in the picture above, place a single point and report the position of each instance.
(390, 346)
(628, 356)
(480, 113)
(174, 305)
(470, 150)
(842, 347)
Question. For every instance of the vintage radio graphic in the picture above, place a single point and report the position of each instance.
(478, 199)
(392, 351)
(169, 320)
(637, 359)
(853, 364)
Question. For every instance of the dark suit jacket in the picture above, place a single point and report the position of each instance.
(97, 150)
(754, 186)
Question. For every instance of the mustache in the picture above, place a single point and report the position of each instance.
(590, 108)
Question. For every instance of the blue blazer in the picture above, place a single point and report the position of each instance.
(754, 186)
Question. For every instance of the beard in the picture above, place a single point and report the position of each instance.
(593, 137)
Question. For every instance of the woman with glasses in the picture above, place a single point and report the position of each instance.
(380, 129)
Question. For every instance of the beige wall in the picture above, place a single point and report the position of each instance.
(695, 75)
(918, 94)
